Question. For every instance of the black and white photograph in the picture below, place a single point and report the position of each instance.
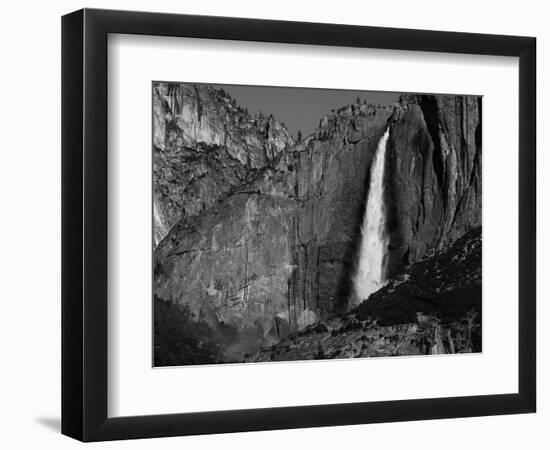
(296, 224)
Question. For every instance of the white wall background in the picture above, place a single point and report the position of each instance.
(30, 225)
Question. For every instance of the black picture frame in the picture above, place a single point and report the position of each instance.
(84, 224)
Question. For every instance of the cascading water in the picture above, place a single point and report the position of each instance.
(369, 276)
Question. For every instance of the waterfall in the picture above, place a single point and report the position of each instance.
(370, 273)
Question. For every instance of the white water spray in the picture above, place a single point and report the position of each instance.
(370, 275)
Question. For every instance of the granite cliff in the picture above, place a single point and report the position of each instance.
(204, 145)
(258, 232)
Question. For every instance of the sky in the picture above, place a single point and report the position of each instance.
(300, 108)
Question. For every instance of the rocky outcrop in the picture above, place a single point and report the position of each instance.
(351, 338)
(204, 146)
(259, 233)
(434, 308)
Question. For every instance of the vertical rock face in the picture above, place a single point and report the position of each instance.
(204, 145)
(231, 263)
(434, 181)
(260, 233)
